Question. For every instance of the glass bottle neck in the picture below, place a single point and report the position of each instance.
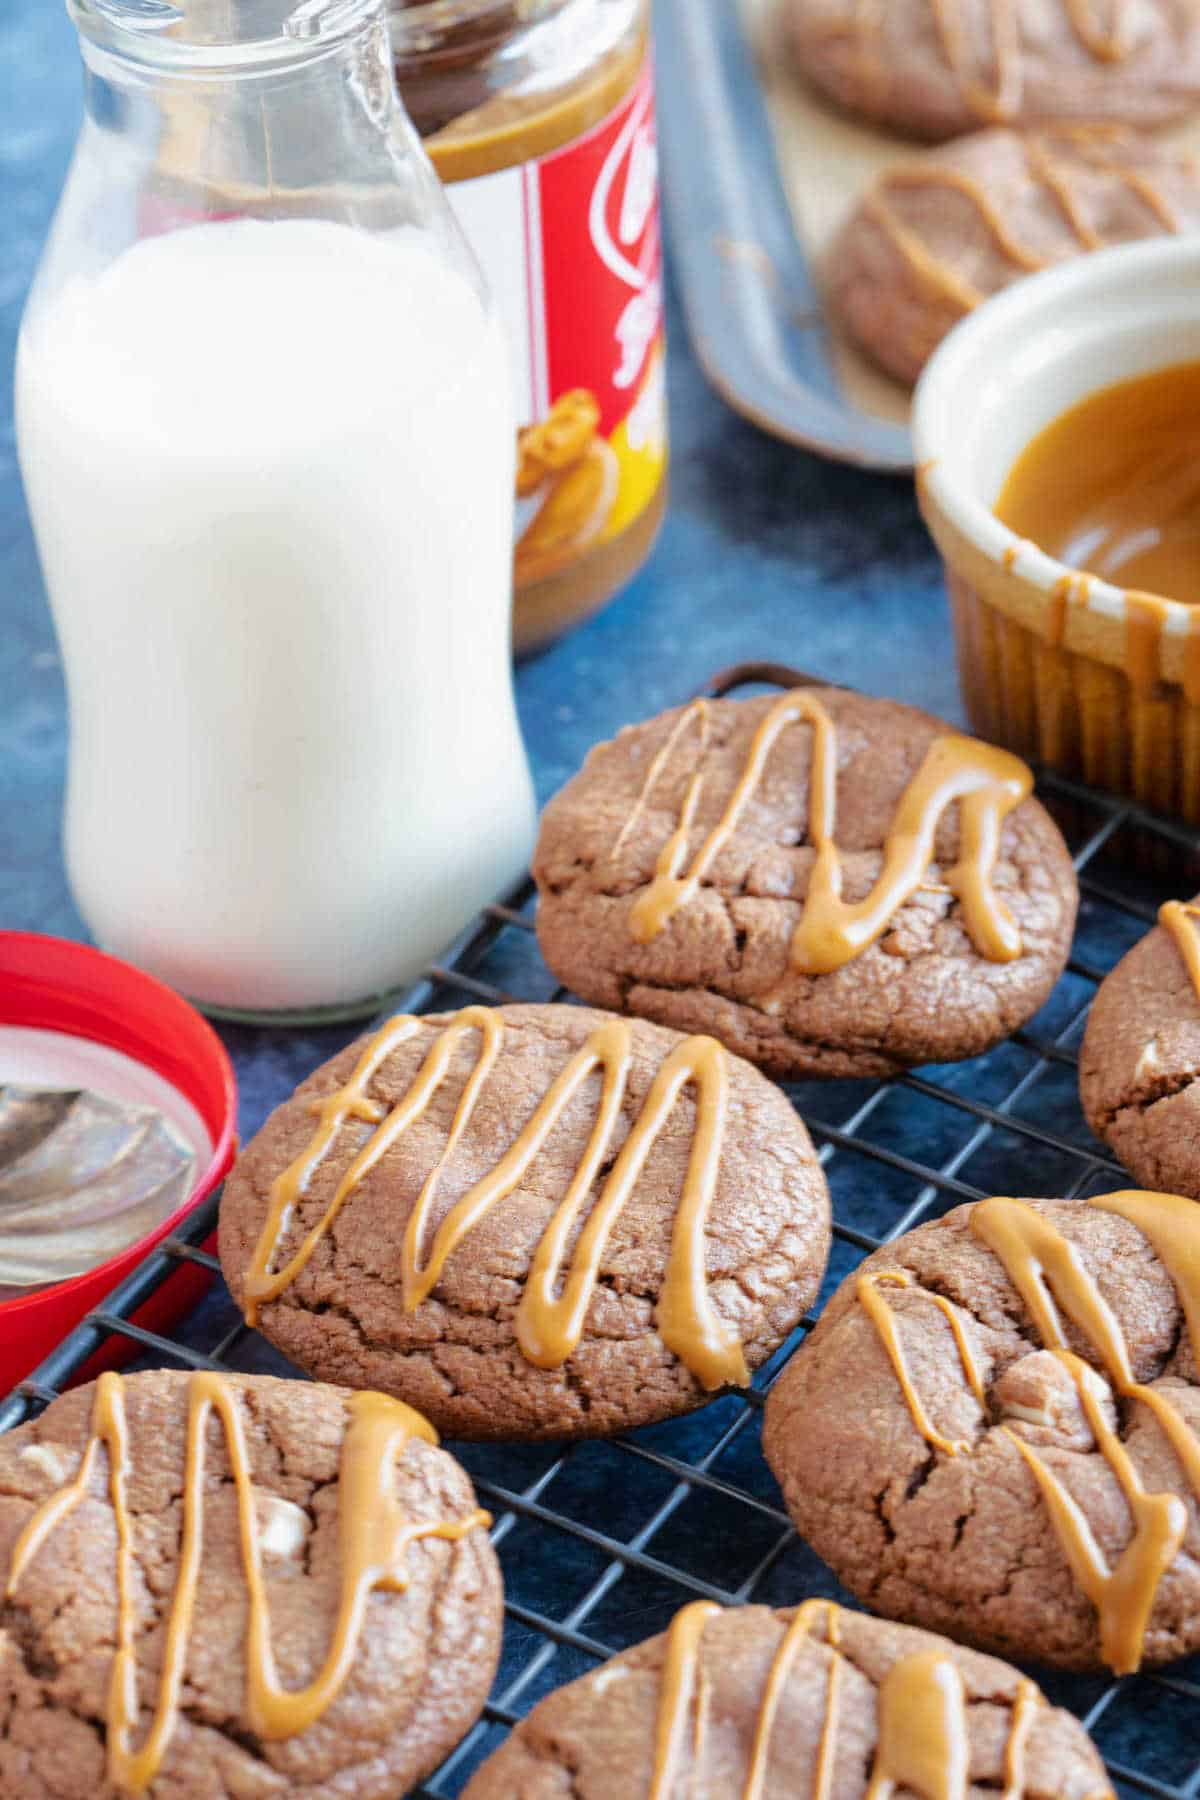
(187, 122)
(222, 39)
(314, 128)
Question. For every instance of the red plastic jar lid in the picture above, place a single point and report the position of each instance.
(54, 985)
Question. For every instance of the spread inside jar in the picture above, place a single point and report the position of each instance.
(498, 84)
(1112, 486)
(82, 1176)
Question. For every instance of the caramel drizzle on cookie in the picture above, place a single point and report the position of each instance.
(882, 1317)
(1046, 1268)
(549, 1322)
(997, 101)
(1044, 167)
(986, 783)
(375, 1539)
(922, 1746)
(1177, 916)
(1001, 101)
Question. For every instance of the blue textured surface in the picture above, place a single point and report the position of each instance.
(767, 552)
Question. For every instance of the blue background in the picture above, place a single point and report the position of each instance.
(767, 552)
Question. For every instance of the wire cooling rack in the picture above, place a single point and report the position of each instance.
(601, 1543)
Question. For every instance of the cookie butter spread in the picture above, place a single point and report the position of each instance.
(82, 1176)
(539, 115)
(1111, 487)
(1179, 917)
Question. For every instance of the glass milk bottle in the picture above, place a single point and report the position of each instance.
(264, 422)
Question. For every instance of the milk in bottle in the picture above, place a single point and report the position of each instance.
(268, 449)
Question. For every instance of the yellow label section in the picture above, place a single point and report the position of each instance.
(640, 446)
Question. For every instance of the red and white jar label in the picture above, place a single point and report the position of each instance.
(571, 249)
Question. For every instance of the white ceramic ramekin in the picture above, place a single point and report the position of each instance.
(1059, 666)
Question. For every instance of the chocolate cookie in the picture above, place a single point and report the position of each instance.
(537, 1221)
(771, 1705)
(993, 1429)
(937, 234)
(810, 878)
(1139, 1069)
(938, 68)
(297, 1583)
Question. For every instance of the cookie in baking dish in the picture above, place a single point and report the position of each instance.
(297, 1581)
(1139, 1067)
(938, 68)
(770, 1705)
(994, 1429)
(831, 884)
(529, 1221)
(938, 233)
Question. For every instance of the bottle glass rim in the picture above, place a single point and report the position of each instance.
(146, 33)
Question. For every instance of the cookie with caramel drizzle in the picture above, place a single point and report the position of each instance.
(1139, 1066)
(995, 1428)
(529, 1220)
(751, 1704)
(938, 68)
(832, 884)
(236, 1585)
(937, 234)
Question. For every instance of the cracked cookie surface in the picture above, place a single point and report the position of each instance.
(1139, 1067)
(597, 1736)
(424, 1657)
(938, 68)
(456, 1354)
(922, 993)
(964, 1541)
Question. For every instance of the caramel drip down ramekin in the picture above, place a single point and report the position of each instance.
(1060, 666)
(1100, 685)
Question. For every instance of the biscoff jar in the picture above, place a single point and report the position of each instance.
(539, 117)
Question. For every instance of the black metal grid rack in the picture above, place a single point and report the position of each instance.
(602, 1542)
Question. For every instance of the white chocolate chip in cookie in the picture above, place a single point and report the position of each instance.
(604, 1678)
(48, 1458)
(1039, 1390)
(283, 1527)
(1149, 1062)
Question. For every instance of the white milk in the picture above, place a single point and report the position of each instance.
(270, 468)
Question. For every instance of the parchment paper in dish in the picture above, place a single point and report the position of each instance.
(827, 161)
